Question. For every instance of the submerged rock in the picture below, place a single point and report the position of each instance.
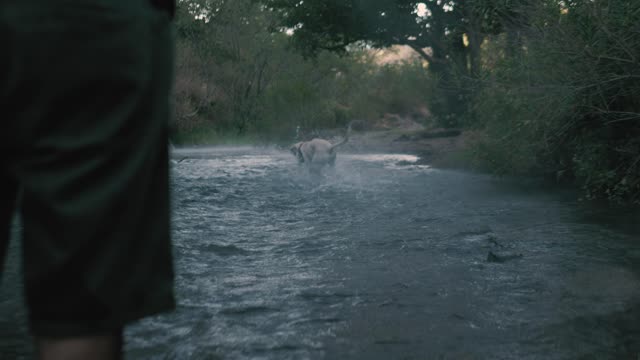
(491, 257)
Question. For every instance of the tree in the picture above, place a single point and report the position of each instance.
(235, 77)
(446, 33)
(233, 56)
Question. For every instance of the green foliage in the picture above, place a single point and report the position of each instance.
(397, 89)
(238, 78)
(206, 135)
(552, 86)
(437, 25)
(568, 103)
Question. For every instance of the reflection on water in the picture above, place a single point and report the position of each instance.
(383, 258)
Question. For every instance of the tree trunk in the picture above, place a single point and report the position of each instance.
(514, 42)
(475, 41)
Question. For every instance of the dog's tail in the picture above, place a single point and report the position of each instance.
(344, 141)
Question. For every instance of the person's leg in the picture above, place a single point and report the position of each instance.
(8, 194)
(8, 184)
(94, 168)
(105, 347)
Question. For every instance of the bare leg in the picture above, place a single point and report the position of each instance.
(101, 347)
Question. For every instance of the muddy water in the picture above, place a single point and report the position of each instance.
(381, 259)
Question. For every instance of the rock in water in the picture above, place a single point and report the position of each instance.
(491, 257)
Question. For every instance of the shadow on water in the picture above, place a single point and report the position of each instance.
(383, 258)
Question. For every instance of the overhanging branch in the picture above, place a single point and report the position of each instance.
(423, 53)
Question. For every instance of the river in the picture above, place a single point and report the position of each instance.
(380, 258)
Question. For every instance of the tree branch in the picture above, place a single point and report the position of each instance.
(424, 54)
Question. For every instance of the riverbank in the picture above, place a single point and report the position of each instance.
(447, 148)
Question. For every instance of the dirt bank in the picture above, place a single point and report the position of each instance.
(436, 147)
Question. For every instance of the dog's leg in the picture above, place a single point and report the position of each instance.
(332, 161)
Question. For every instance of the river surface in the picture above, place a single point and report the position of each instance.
(380, 259)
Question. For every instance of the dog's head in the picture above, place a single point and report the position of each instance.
(295, 150)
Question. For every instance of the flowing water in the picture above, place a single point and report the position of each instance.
(381, 259)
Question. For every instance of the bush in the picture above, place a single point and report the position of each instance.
(568, 103)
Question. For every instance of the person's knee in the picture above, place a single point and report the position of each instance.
(100, 347)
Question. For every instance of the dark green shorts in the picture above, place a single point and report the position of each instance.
(84, 106)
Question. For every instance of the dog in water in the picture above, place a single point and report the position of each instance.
(317, 153)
